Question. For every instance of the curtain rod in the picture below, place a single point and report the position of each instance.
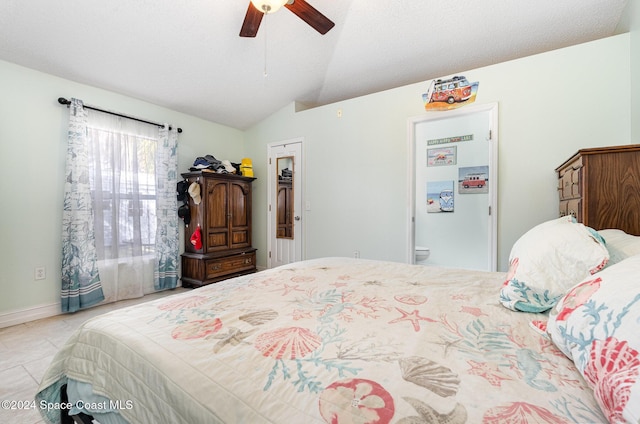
(66, 102)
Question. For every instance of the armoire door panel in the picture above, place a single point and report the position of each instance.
(218, 241)
(239, 205)
(218, 204)
(240, 238)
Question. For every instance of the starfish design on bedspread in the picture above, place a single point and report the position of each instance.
(288, 289)
(449, 344)
(232, 337)
(413, 316)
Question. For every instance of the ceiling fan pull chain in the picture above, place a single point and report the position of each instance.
(265, 46)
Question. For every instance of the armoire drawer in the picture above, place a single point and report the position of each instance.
(569, 181)
(571, 207)
(229, 265)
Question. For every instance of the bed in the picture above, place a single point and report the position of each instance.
(339, 340)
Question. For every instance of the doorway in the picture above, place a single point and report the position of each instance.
(285, 234)
(453, 187)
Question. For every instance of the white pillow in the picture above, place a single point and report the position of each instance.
(597, 325)
(620, 245)
(547, 261)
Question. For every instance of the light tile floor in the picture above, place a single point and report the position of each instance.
(27, 349)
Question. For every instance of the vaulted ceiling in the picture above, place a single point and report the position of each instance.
(187, 55)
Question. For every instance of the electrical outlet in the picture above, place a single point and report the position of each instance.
(39, 273)
(356, 254)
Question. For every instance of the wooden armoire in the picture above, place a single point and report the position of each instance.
(223, 217)
(600, 187)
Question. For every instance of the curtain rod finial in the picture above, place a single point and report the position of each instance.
(63, 101)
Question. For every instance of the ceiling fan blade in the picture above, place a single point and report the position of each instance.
(310, 15)
(251, 22)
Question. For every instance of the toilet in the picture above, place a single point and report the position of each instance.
(422, 254)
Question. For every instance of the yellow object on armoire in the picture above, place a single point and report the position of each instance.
(246, 167)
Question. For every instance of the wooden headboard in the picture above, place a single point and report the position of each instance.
(601, 187)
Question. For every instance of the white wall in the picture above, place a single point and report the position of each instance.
(32, 156)
(551, 105)
(633, 14)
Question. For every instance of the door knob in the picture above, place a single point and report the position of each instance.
(297, 218)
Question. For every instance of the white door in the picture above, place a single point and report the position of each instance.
(285, 203)
(454, 180)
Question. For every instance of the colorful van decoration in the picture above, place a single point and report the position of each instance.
(445, 94)
(475, 180)
(446, 200)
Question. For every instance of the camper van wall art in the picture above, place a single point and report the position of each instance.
(439, 196)
(473, 179)
(451, 93)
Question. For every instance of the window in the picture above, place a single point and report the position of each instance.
(123, 185)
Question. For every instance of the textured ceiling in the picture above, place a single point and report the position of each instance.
(186, 55)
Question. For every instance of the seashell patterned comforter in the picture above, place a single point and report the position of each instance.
(332, 340)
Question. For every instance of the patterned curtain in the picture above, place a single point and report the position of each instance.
(81, 287)
(165, 274)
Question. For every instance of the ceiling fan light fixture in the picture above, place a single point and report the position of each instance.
(268, 6)
(303, 10)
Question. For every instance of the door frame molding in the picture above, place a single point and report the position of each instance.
(493, 175)
(271, 195)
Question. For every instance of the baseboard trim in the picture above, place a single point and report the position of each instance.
(30, 314)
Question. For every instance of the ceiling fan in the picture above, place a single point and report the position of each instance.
(258, 8)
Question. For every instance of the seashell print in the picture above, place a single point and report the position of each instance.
(183, 303)
(428, 415)
(356, 400)
(577, 297)
(287, 343)
(259, 317)
(521, 412)
(196, 329)
(611, 356)
(613, 368)
(411, 299)
(430, 375)
(303, 279)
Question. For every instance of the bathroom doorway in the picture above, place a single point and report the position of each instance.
(453, 187)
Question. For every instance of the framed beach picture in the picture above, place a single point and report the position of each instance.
(442, 156)
(473, 179)
(439, 196)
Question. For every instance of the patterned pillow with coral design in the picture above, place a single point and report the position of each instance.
(548, 260)
(597, 325)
